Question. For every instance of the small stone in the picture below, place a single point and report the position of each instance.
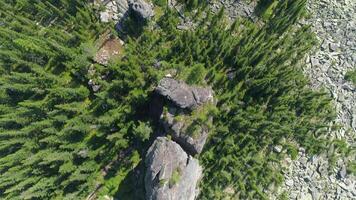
(277, 148)
(290, 182)
(83, 153)
(322, 169)
(343, 186)
(96, 88)
(333, 47)
(307, 179)
(314, 193)
(314, 62)
(301, 149)
(183, 27)
(229, 190)
(324, 45)
(303, 161)
(342, 172)
(306, 196)
(293, 195)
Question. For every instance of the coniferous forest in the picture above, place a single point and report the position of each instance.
(61, 140)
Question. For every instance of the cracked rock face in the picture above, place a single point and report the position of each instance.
(193, 143)
(183, 95)
(171, 174)
(177, 121)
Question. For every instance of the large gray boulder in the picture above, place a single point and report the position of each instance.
(180, 117)
(180, 127)
(141, 9)
(183, 95)
(171, 174)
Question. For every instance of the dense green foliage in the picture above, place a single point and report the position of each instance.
(56, 135)
(60, 140)
(351, 76)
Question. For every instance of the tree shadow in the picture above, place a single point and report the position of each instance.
(132, 187)
(130, 25)
(262, 6)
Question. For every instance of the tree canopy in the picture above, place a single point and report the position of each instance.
(61, 140)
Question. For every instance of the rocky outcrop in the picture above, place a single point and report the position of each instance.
(141, 9)
(171, 171)
(183, 95)
(185, 126)
(184, 130)
(119, 10)
(171, 174)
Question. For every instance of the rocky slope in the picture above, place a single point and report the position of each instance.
(334, 22)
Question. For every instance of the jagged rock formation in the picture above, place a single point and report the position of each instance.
(171, 171)
(190, 136)
(171, 174)
(183, 126)
(183, 95)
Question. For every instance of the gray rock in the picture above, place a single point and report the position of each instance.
(193, 143)
(342, 172)
(83, 153)
(141, 9)
(170, 173)
(314, 193)
(202, 95)
(95, 87)
(289, 182)
(323, 169)
(314, 62)
(183, 95)
(333, 46)
(277, 148)
(112, 9)
(236, 9)
(303, 161)
(177, 92)
(191, 137)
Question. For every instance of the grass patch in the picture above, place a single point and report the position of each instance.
(176, 175)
